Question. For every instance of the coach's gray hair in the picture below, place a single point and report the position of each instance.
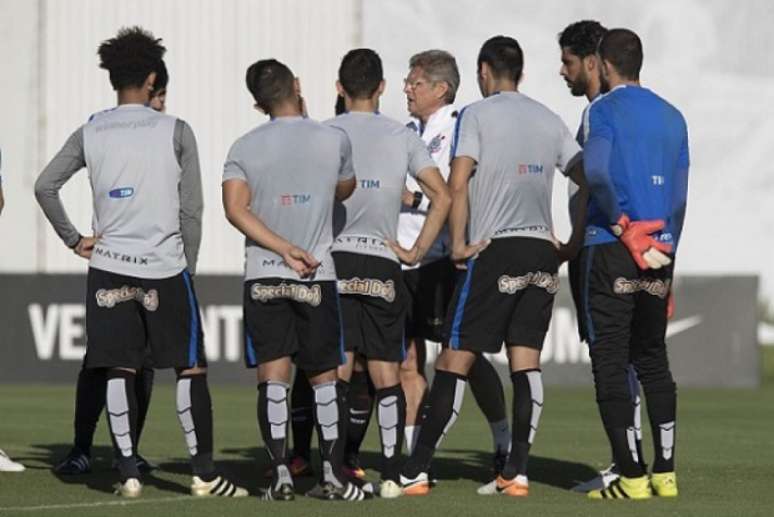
(439, 65)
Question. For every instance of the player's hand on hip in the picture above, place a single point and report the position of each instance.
(646, 251)
(85, 247)
(461, 254)
(300, 261)
(408, 257)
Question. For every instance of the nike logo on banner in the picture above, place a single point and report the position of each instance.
(677, 327)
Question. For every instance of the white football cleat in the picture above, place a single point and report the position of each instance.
(389, 489)
(130, 488)
(219, 486)
(600, 482)
(8, 465)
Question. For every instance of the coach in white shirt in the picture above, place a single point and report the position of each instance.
(430, 89)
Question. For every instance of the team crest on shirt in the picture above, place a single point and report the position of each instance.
(435, 144)
(108, 298)
(512, 284)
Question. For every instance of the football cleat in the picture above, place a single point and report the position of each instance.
(516, 487)
(219, 487)
(329, 492)
(389, 489)
(143, 465)
(603, 480)
(624, 488)
(664, 484)
(298, 466)
(8, 465)
(74, 464)
(353, 469)
(130, 488)
(419, 485)
(284, 492)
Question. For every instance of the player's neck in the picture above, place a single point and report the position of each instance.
(503, 85)
(593, 91)
(289, 108)
(362, 105)
(616, 80)
(132, 96)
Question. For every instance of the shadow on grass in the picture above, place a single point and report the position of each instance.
(102, 476)
(449, 464)
(250, 465)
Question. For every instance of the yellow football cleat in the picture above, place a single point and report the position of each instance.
(624, 488)
(664, 484)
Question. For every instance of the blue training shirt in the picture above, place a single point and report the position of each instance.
(636, 162)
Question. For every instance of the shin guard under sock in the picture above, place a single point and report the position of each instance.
(391, 416)
(121, 403)
(194, 412)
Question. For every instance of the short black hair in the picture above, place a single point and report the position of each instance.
(504, 56)
(162, 77)
(270, 82)
(623, 49)
(130, 57)
(360, 73)
(582, 38)
(341, 106)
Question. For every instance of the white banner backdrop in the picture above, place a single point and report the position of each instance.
(710, 58)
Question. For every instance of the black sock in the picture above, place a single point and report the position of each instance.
(194, 411)
(302, 407)
(89, 403)
(487, 389)
(359, 404)
(331, 429)
(443, 407)
(527, 407)
(391, 415)
(273, 420)
(617, 417)
(144, 388)
(121, 402)
(662, 410)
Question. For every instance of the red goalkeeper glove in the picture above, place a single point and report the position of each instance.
(647, 252)
(670, 305)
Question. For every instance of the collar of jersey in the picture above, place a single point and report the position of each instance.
(130, 106)
(288, 119)
(437, 121)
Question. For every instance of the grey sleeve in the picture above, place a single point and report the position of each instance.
(69, 160)
(346, 170)
(190, 188)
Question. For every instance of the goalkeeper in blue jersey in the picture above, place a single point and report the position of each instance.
(636, 162)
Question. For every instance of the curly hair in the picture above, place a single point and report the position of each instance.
(582, 38)
(130, 57)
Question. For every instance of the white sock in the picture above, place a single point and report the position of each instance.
(411, 433)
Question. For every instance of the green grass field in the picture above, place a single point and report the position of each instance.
(725, 460)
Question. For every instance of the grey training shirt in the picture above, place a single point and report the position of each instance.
(292, 166)
(384, 151)
(146, 184)
(517, 142)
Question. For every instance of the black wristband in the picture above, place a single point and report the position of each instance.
(417, 200)
(80, 238)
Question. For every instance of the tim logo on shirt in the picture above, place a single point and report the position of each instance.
(529, 168)
(370, 184)
(294, 199)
